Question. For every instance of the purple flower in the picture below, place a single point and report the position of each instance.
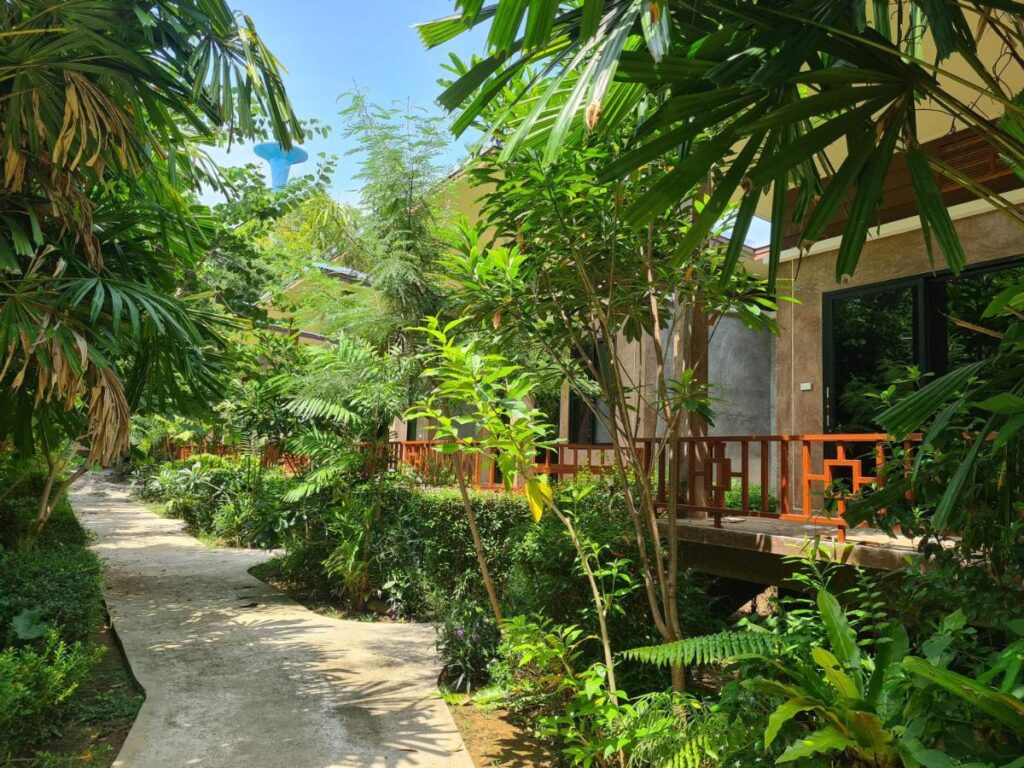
(459, 633)
(475, 638)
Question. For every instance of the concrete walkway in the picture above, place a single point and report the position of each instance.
(239, 676)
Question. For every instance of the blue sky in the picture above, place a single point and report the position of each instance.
(330, 47)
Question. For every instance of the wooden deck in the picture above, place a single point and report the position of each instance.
(755, 548)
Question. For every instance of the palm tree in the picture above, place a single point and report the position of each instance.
(103, 107)
(754, 99)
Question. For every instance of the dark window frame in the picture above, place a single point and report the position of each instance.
(930, 349)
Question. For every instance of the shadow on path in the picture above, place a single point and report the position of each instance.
(238, 675)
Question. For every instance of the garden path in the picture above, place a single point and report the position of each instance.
(237, 675)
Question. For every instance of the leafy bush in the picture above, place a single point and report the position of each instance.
(62, 582)
(50, 602)
(55, 575)
(845, 683)
(419, 561)
(21, 484)
(34, 684)
(421, 551)
(233, 499)
(734, 497)
(467, 641)
(535, 657)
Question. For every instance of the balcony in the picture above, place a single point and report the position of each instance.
(767, 494)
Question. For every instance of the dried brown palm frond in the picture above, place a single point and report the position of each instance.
(110, 417)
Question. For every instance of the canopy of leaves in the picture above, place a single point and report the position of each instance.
(102, 108)
(756, 97)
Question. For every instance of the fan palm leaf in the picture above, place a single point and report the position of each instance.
(103, 107)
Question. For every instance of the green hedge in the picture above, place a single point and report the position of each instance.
(62, 580)
(56, 580)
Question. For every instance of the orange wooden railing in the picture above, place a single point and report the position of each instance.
(801, 471)
(811, 475)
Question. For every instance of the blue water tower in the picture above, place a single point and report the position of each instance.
(280, 161)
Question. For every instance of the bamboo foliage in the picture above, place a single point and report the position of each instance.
(96, 88)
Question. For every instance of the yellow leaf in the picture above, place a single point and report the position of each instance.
(538, 492)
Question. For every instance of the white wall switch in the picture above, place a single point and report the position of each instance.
(805, 386)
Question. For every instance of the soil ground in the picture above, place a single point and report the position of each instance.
(493, 740)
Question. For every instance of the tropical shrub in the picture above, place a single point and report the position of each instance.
(53, 574)
(967, 475)
(535, 658)
(467, 640)
(50, 603)
(35, 682)
(849, 685)
(20, 507)
(232, 499)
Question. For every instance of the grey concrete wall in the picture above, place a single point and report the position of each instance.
(741, 372)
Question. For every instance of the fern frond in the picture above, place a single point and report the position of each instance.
(320, 408)
(694, 751)
(706, 649)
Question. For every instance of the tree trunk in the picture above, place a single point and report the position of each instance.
(50, 497)
(478, 545)
(45, 510)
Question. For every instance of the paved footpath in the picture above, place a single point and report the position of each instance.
(239, 676)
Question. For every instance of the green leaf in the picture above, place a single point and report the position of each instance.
(592, 10)
(740, 228)
(932, 208)
(29, 624)
(882, 24)
(842, 682)
(859, 146)
(841, 636)
(539, 22)
(785, 712)
(889, 654)
(869, 196)
(910, 414)
(824, 740)
(468, 83)
(1004, 708)
(1005, 403)
(955, 486)
(679, 182)
(508, 17)
(712, 212)
(791, 154)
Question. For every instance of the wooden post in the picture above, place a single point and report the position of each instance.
(785, 505)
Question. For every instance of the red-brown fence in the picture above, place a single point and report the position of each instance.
(809, 476)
